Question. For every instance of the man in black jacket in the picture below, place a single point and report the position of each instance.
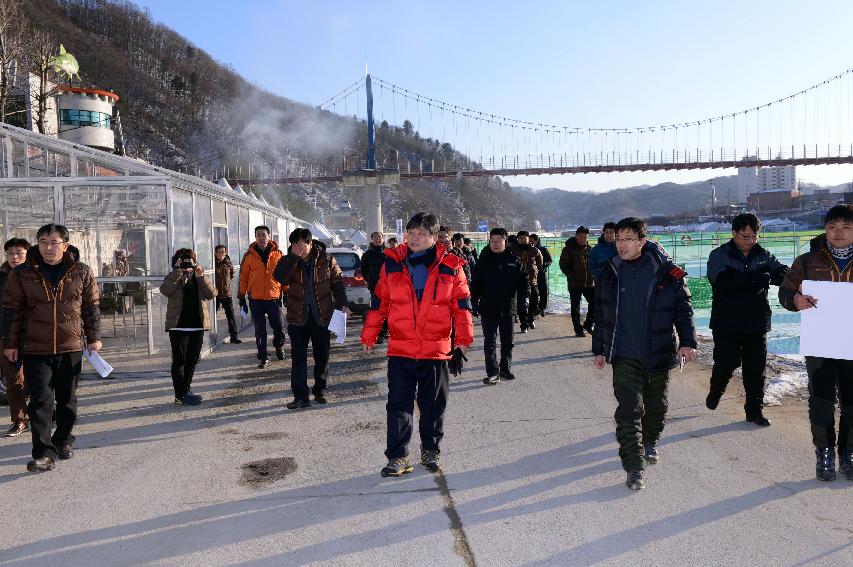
(542, 276)
(371, 263)
(496, 302)
(740, 272)
(640, 296)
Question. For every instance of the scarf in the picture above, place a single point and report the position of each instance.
(841, 253)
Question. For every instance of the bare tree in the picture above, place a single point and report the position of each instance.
(11, 46)
(43, 46)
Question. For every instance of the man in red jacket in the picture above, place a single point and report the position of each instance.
(422, 293)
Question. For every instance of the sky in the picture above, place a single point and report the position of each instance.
(591, 64)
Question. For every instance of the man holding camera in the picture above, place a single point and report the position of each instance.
(264, 292)
(49, 303)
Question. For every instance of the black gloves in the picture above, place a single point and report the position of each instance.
(455, 363)
(241, 300)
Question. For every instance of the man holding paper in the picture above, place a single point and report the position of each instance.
(828, 260)
(49, 302)
(316, 286)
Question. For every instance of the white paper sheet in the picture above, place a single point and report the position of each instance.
(101, 366)
(338, 325)
(823, 328)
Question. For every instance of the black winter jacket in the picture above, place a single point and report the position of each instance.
(498, 282)
(668, 305)
(740, 287)
(371, 263)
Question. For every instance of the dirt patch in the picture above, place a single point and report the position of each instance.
(258, 474)
(273, 436)
(355, 389)
(229, 431)
(364, 426)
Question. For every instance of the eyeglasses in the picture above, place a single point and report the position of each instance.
(627, 240)
(50, 243)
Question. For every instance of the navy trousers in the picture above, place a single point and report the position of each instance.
(410, 379)
(270, 308)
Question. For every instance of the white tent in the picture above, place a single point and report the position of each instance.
(323, 234)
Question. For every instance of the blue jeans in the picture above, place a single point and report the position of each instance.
(272, 309)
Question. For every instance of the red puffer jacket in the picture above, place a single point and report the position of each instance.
(420, 329)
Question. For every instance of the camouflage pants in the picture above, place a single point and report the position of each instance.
(641, 412)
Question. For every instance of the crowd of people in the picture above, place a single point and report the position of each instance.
(424, 294)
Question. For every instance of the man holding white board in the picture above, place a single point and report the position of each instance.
(817, 284)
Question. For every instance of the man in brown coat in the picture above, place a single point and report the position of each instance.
(315, 288)
(531, 259)
(49, 303)
(13, 375)
(223, 274)
(574, 263)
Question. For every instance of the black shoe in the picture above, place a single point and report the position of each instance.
(507, 375)
(17, 428)
(588, 328)
(263, 363)
(713, 400)
(429, 459)
(397, 467)
(532, 325)
(65, 451)
(235, 341)
(652, 456)
(491, 380)
(279, 352)
(825, 466)
(845, 464)
(635, 480)
(188, 399)
(298, 404)
(523, 330)
(580, 334)
(42, 464)
(758, 419)
(320, 398)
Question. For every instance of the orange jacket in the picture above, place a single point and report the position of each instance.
(256, 277)
(420, 329)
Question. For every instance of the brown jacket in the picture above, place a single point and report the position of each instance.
(223, 274)
(574, 263)
(329, 288)
(173, 288)
(817, 265)
(45, 320)
(531, 259)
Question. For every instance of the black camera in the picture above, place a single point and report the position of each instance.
(187, 263)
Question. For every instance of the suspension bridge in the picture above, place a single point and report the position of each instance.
(809, 127)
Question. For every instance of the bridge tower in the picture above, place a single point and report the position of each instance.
(370, 177)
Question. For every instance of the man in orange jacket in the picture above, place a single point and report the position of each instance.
(422, 293)
(256, 280)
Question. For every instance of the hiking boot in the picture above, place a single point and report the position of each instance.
(507, 375)
(263, 363)
(825, 466)
(279, 352)
(188, 399)
(652, 455)
(429, 459)
(235, 341)
(18, 428)
(635, 480)
(298, 404)
(65, 451)
(491, 380)
(397, 467)
(713, 399)
(758, 419)
(42, 464)
(845, 464)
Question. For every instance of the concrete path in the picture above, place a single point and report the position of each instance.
(531, 475)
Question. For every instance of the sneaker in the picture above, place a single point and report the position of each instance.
(845, 464)
(18, 428)
(298, 404)
(825, 466)
(491, 380)
(279, 352)
(652, 456)
(263, 363)
(713, 400)
(758, 419)
(65, 452)
(235, 341)
(532, 325)
(429, 459)
(635, 480)
(507, 375)
(42, 464)
(188, 399)
(523, 330)
(397, 467)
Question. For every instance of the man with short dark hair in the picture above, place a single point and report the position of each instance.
(13, 375)
(457, 243)
(542, 276)
(604, 250)
(443, 236)
(574, 263)
(473, 250)
(315, 287)
(264, 292)
(641, 296)
(498, 284)
(371, 263)
(531, 259)
(741, 272)
(423, 294)
(223, 274)
(47, 301)
(830, 258)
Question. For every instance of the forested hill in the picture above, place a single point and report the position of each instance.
(183, 110)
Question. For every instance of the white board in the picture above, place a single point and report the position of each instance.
(824, 330)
